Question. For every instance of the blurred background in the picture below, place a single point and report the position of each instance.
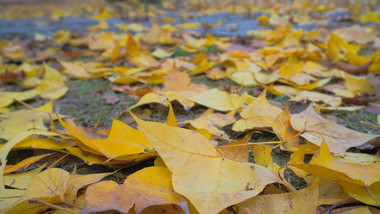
(25, 18)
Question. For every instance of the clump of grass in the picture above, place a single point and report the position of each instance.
(85, 102)
(354, 120)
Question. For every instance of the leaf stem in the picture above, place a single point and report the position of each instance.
(61, 158)
(250, 144)
(373, 196)
(38, 201)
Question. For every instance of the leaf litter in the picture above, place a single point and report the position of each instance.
(189, 117)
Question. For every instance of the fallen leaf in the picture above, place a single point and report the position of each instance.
(10, 77)
(258, 114)
(236, 151)
(128, 144)
(360, 181)
(43, 143)
(330, 192)
(148, 187)
(110, 98)
(171, 120)
(17, 139)
(77, 181)
(177, 86)
(220, 100)
(212, 122)
(262, 155)
(49, 185)
(369, 16)
(52, 86)
(284, 130)
(8, 97)
(360, 100)
(21, 180)
(13, 123)
(317, 129)
(317, 97)
(354, 69)
(224, 182)
(75, 70)
(24, 163)
(215, 74)
(301, 201)
(160, 53)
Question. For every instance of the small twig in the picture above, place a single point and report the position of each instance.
(25, 104)
(38, 201)
(53, 164)
(372, 195)
(250, 144)
(222, 138)
(330, 209)
(2, 198)
(371, 124)
(351, 203)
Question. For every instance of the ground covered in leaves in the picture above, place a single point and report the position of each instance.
(183, 107)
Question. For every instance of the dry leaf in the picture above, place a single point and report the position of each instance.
(317, 129)
(223, 182)
(236, 151)
(128, 144)
(148, 187)
(284, 130)
(301, 201)
(220, 100)
(258, 114)
(360, 181)
(110, 98)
